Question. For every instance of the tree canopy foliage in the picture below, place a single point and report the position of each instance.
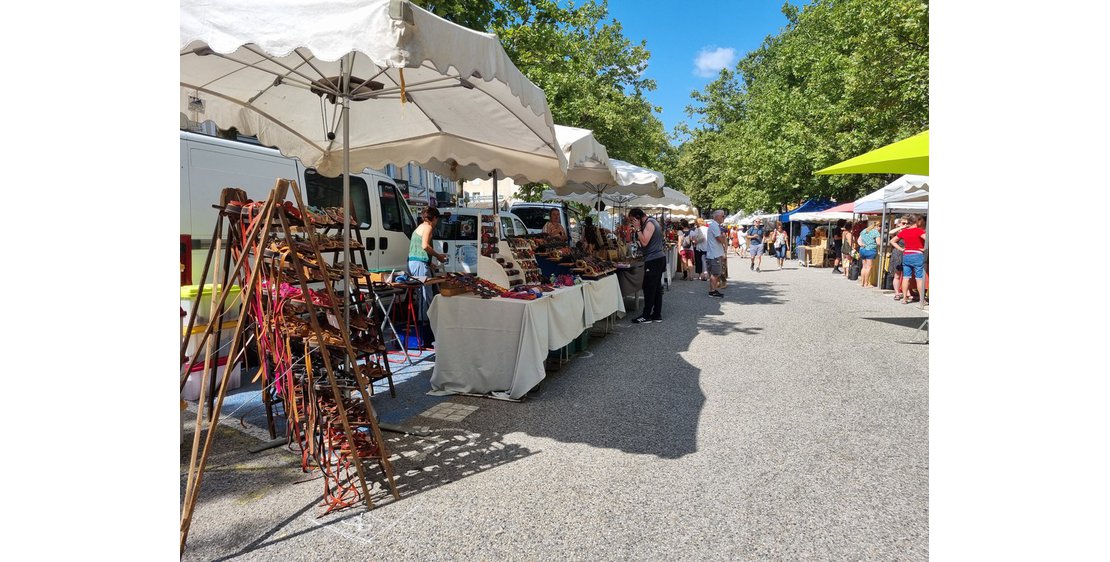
(592, 74)
(842, 78)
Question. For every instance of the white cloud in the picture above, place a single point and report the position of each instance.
(710, 61)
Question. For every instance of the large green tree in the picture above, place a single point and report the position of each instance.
(844, 77)
(592, 74)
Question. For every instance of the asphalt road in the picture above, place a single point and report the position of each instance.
(786, 421)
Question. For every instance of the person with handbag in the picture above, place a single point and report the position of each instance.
(868, 249)
(781, 242)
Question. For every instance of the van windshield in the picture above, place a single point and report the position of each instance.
(533, 217)
(457, 227)
(323, 191)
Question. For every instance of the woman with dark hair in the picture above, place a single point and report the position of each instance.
(650, 237)
(590, 241)
(420, 248)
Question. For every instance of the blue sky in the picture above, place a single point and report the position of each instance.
(680, 35)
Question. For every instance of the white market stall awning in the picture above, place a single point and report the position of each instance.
(873, 202)
(418, 87)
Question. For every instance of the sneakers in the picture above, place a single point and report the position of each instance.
(757, 270)
(837, 269)
(717, 294)
(753, 266)
(657, 320)
(641, 320)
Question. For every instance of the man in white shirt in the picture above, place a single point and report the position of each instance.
(715, 251)
(702, 248)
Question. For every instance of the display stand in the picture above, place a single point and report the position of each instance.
(335, 432)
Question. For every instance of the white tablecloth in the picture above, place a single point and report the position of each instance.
(602, 298)
(498, 346)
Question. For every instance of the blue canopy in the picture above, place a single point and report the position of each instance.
(811, 206)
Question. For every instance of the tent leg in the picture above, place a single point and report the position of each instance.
(883, 233)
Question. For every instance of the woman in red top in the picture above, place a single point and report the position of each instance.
(912, 241)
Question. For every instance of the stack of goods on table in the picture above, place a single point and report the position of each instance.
(489, 237)
(525, 258)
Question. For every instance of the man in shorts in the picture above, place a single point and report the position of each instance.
(755, 236)
(715, 252)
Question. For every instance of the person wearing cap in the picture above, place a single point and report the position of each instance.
(755, 234)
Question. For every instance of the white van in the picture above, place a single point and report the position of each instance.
(209, 164)
(458, 236)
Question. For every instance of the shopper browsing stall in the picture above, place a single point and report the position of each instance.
(649, 234)
(911, 241)
(700, 249)
(716, 252)
(420, 253)
(868, 249)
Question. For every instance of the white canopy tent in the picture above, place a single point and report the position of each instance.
(873, 202)
(765, 217)
(734, 218)
(672, 200)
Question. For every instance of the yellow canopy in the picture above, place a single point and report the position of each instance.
(907, 156)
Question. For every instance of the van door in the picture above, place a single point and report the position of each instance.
(395, 228)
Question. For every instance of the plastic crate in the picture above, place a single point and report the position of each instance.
(191, 391)
(189, 293)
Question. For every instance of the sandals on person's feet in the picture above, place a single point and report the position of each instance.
(897, 297)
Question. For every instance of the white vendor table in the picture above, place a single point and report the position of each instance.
(498, 346)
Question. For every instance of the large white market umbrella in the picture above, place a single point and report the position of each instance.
(343, 86)
(284, 70)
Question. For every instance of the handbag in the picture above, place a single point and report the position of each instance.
(855, 270)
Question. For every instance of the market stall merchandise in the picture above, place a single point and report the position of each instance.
(317, 360)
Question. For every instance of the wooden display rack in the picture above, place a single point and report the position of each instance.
(328, 427)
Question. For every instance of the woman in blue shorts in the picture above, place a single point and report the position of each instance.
(868, 249)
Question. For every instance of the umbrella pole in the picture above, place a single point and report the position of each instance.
(346, 203)
(496, 208)
(921, 289)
